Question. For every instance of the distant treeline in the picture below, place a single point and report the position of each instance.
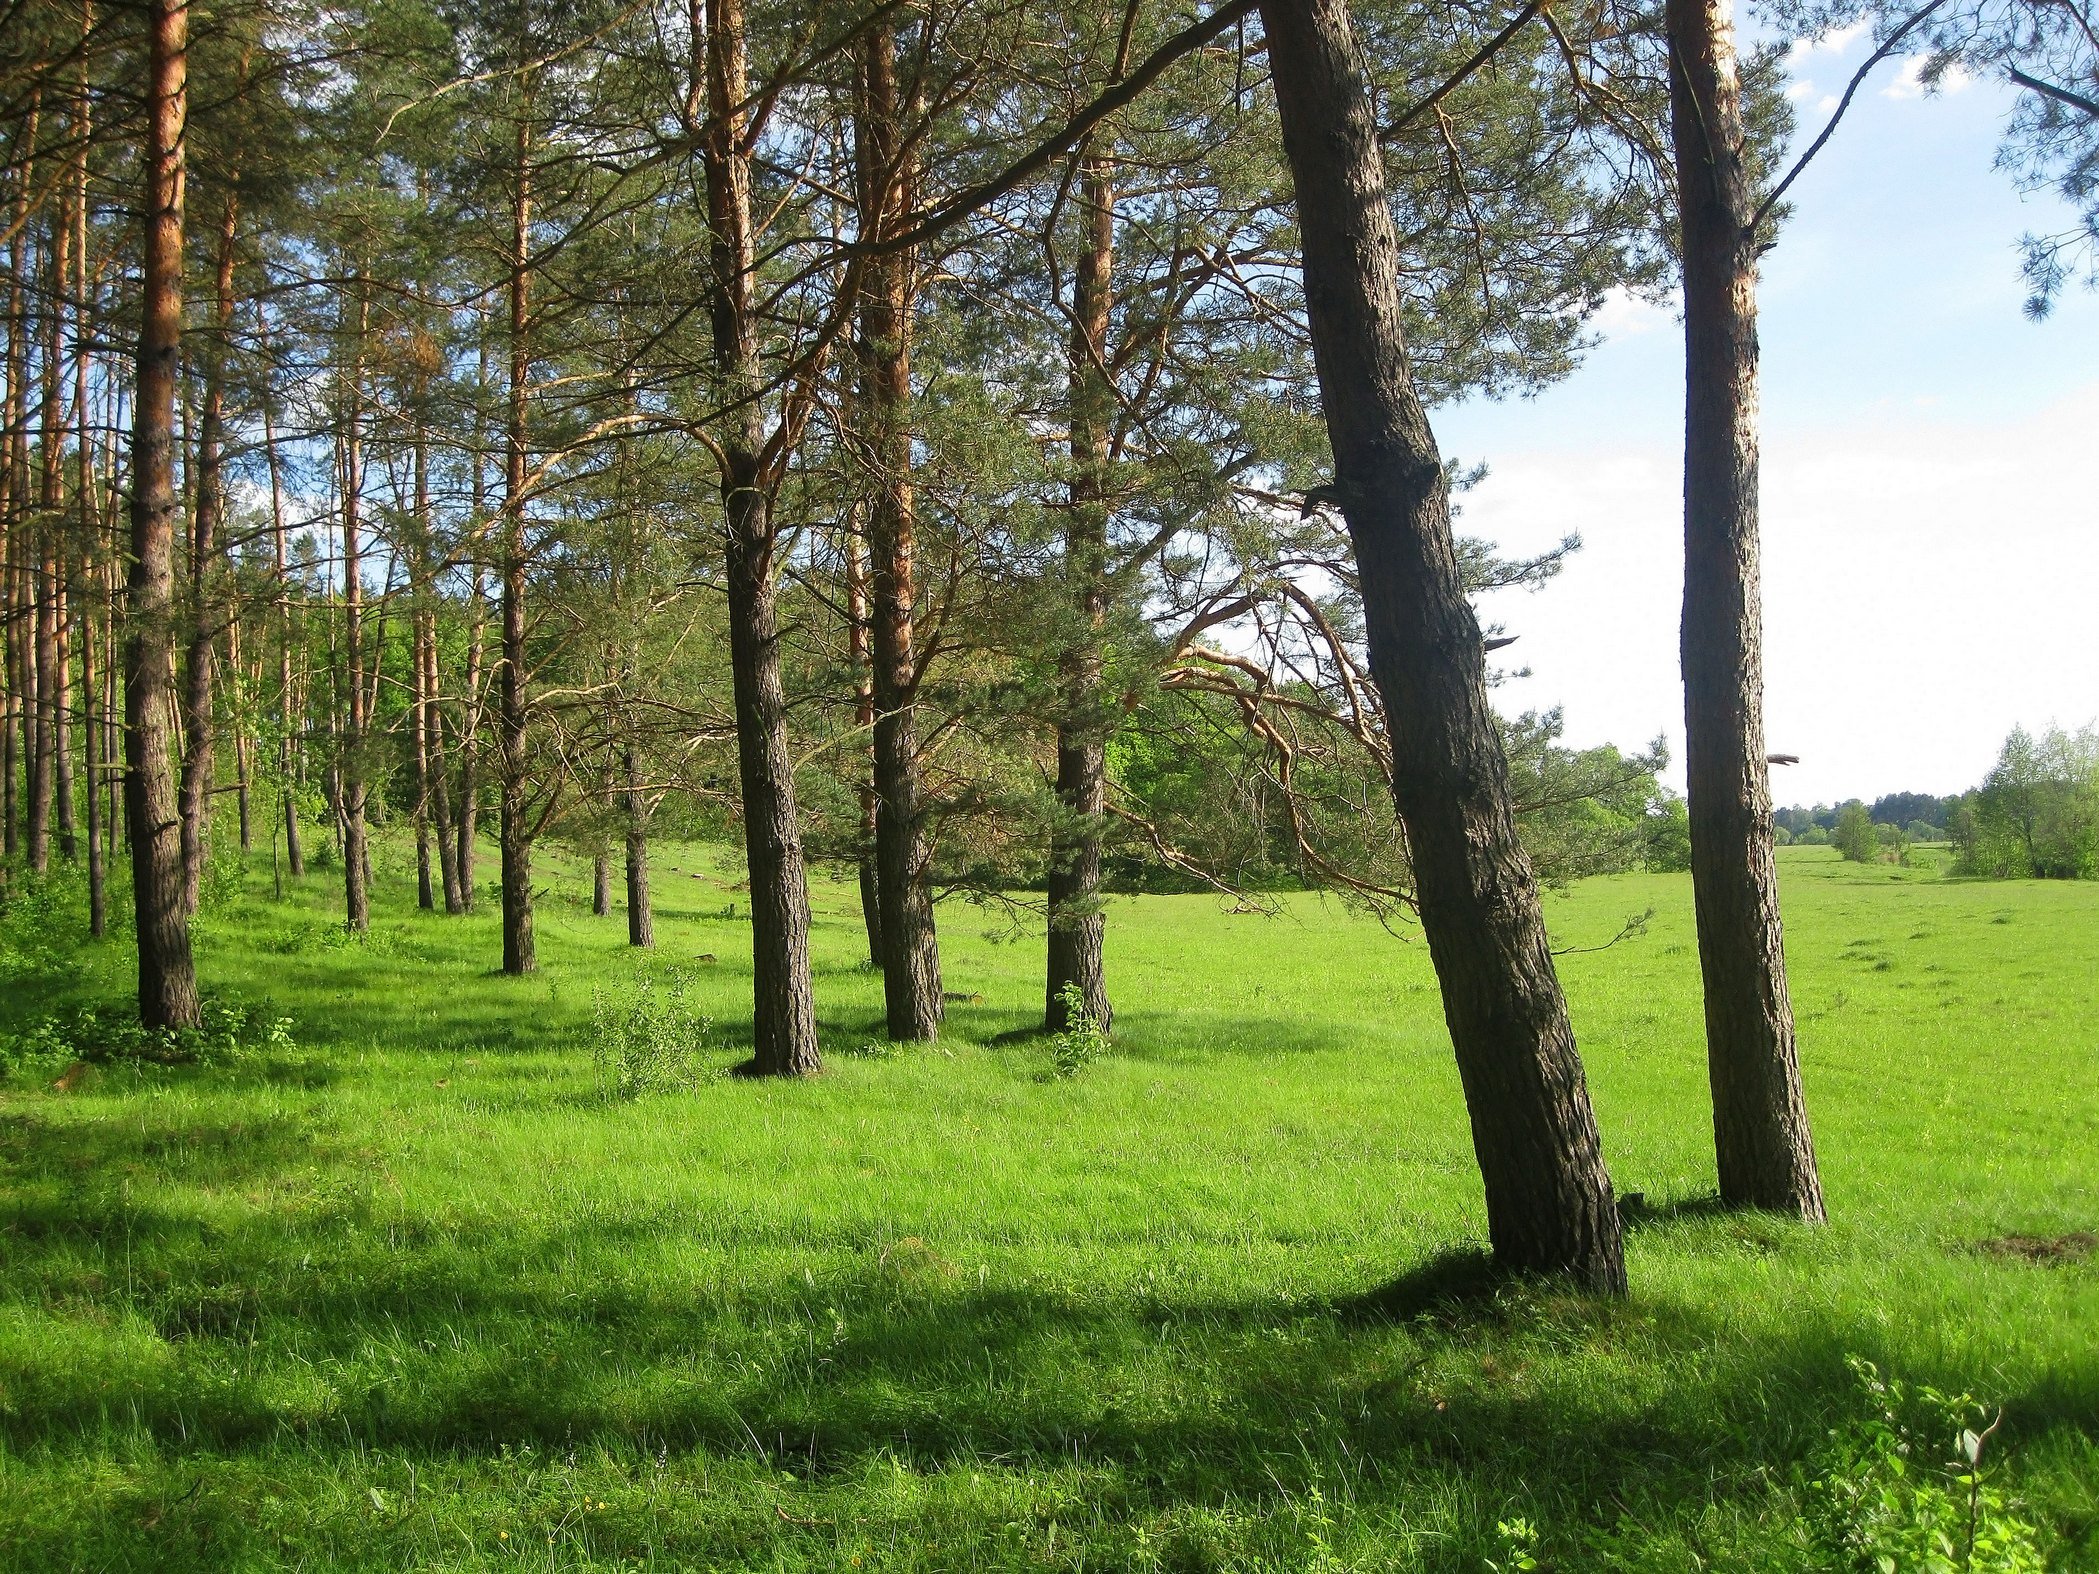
(2034, 816)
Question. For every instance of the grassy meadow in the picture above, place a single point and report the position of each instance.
(424, 1291)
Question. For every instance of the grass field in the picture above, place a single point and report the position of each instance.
(424, 1292)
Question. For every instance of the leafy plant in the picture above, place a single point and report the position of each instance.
(1083, 1040)
(230, 1030)
(1882, 1502)
(650, 1040)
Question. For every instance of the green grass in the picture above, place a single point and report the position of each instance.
(424, 1295)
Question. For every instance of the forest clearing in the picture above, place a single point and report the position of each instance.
(426, 1290)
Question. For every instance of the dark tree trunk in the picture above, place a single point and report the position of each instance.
(1077, 927)
(601, 883)
(91, 732)
(641, 921)
(1760, 1126)
(167, 980)
(864, 719)
(434, 771)
(200, 735)
(520, 955)
(783, 1020)
(357, 901)
(468, 829)
(289, 710)
(17, 614)
(887, 194)
(1549, 1203)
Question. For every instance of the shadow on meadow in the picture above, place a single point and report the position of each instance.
(335, 1317)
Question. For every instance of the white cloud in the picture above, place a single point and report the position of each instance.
(1834, 42)
(1927, 584)
(1624, 315)
(1909, 81)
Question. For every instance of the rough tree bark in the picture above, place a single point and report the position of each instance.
(1765, 1150)
(167, 979)
(1077, 927)
(200, 735)
(641, 921)
(1549, 1202)
(783, 1021)
(357, 903)
(856, 612)
(519, 953)
(886, 195)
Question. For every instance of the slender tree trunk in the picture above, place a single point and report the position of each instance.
(433, 767)
(1077, 927)
(200, 733)
(1760, 1125)
(641, 921)
(167, 980)
(470, 736)
(290, 713)
(62, 721)
(519, 954)
(422, 706)
(1549, 1203)
(601, 883)
(357, 901)
(864, 719)
(783, 1019)
(91, 730)
(903, 853)
(17, 614)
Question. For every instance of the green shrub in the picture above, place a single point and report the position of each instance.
(651, 1040)
(230, 1031)
(1883, 1501)
(1083, 1040)
(1855, 838)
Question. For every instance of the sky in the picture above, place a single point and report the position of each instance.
(1931, 562)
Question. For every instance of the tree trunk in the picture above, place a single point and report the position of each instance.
(167, 980)
(1549, 1203)
(783, 1017)
(290, 715)
(91, 729)
(17, 613)
(1077, 927)
(864, 720)
(887, 196)
(468, 829)
(519, 953)
(439, 786)
(199, 764)
(1765, 1150)
(357, 901)
(641, 920)
(601, 883)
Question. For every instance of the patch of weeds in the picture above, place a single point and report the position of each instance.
(311, 935)
(649, 1040)
(1083, 1040)
(230, 1031)
(1881, 1498)
(875, 1049)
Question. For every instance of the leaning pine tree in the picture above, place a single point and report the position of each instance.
(1549, 1202)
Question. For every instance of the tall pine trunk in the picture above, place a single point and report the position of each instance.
(350, 765)
(903, 854)
(856, 611)
(1765, 1150)
(200, 734)
(783, 1016)
(1077, 927)
(167, 980)
(1549, 1203)
(520, 954)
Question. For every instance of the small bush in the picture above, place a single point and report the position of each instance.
(1883, 1500)
(1083, 1040)
(230, 1031)
(649, 1041)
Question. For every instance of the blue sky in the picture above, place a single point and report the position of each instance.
(1931, 566)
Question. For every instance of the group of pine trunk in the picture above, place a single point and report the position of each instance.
(1549, 1198)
